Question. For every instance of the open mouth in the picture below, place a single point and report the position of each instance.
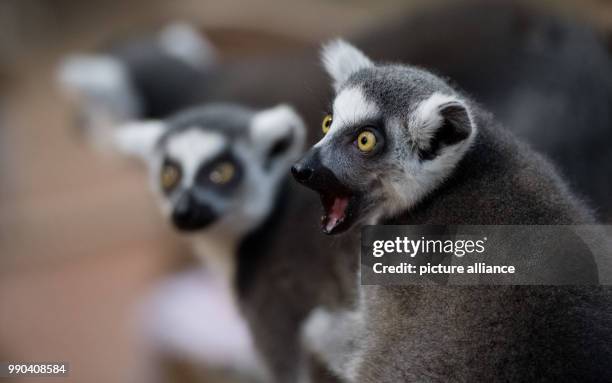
(340, 203)
(339, 211)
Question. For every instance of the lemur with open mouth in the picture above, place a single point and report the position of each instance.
(401, 146)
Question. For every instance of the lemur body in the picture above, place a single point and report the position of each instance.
(403, 147)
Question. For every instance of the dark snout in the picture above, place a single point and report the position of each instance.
(191, 215)
(311, 172)
(304, 169)
(340, 204)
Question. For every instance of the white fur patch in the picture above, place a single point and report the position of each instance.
(192, 148)
(350, 107)
(138, 138)
(341, 60)
(334, 337)
(427, 119)
(184, 42)
(99, 86)
(100, 80)
(272, 124)
(418, 178)
(193, 314)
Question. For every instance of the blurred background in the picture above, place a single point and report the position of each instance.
(82, 243)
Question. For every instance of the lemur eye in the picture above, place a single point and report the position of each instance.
(170, 176)
(366, 141)
(222, 173)
(327, 121)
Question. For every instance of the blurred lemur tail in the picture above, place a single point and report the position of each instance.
(146, 78)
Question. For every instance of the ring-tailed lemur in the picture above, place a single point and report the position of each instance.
(401, 146)
(220, 172)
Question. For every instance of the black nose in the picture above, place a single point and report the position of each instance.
(301, 173)
(190, 215)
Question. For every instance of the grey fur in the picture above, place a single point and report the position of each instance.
(465, 334)
(228, 119)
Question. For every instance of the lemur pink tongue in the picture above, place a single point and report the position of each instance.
(335, 215)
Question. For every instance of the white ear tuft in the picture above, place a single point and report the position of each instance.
(184, 42)
(440, 120)
(341, 59)
(277, 124)
(138, 139)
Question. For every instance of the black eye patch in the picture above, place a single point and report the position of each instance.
(278, 148)
(222, 174)
(170, 175)
(376, 126)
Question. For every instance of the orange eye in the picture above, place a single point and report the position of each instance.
(327, 121)
(170, 176)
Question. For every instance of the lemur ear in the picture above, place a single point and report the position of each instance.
(438, 122)
(341, 60)
(138, 139)
(277, 132)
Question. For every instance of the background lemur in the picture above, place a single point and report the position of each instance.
(540, 75)
(238, 225)
(404, 147)
(220, 172)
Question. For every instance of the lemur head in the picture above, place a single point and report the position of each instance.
(393, 134)
(218, 165)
